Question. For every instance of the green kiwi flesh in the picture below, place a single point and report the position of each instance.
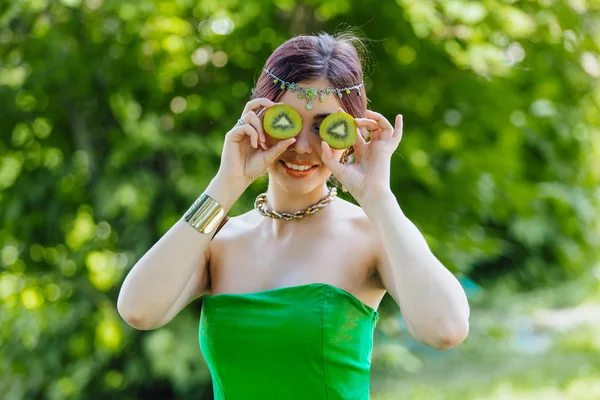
(282, 121)
(338, 130)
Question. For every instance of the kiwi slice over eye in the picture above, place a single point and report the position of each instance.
(282, 121)
(339, 130)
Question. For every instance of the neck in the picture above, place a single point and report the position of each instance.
(282, 201)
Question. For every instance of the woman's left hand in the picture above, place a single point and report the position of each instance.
(370, 174)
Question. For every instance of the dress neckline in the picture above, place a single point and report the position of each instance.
(295, 288)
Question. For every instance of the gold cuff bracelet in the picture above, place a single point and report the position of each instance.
(205, 214)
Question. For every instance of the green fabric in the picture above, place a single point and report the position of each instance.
(302, 342)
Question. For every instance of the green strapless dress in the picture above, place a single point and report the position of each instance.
(307, 342)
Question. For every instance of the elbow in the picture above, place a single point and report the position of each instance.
(135, 319)
(450, 335)
(453, 328)
(138, 322)
(442, 334)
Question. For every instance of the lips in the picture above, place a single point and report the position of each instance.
(295, 172)
(300, 163)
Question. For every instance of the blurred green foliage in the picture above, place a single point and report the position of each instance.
(112, 121)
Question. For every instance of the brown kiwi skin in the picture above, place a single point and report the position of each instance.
(353, 129)
(272, 113)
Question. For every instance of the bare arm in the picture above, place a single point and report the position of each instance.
(173, 272)
(431, 299)
(433, 303)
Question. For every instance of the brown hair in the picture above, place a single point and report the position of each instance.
(302, 58)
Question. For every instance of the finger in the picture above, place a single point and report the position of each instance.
(252, 119)
(383, 123)
(367, 123)
(242, 131)
(376, 134)
(398, 130)
(360, 147)
(236, 134)
(329, 160)
(274, 152)
(253, 135)
(261, 113)
(255, 104)
(261, 118)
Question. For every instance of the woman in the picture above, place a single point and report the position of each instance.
(290, 303)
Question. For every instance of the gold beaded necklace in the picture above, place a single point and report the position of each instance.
(261, 199)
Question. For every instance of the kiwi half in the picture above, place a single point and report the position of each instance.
(282, 121)
(339, 130)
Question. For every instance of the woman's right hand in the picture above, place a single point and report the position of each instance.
(245, 154)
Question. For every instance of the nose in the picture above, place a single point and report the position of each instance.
(304, 141)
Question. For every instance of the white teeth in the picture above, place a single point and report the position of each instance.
(298, 167)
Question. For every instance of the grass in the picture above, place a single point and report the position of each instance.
(542, 345)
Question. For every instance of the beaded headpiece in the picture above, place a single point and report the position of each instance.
(311, 93)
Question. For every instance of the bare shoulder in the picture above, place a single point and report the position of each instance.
(355, 216)
(354, 227)
(236, 226)
(363, 235)
(340, 237)
(348, 217)
(350, 222)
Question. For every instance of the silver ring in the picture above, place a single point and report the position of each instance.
(241, 122)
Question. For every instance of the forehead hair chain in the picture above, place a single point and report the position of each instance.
(311, 93)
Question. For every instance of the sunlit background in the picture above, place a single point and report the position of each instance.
(112, 117)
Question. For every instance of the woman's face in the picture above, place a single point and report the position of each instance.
(307, 148)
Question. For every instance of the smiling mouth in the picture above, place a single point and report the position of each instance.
(300, 169)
